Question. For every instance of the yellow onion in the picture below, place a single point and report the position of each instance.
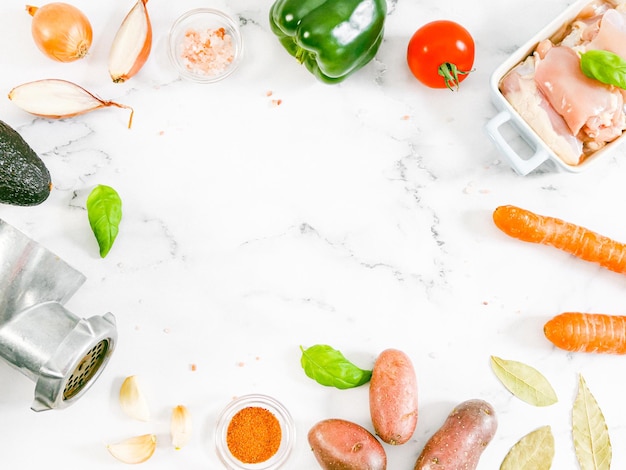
(132, 44)
(61, 31)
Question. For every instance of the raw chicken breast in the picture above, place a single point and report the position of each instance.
(611, 35)
(588, 107)
(521, 91)
(573, 114)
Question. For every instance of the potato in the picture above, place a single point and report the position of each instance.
(460, 442)
(393, 397)
(343, 445)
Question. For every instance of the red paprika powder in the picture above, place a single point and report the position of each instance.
(253, 435)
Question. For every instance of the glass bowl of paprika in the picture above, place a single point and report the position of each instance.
(254, 432)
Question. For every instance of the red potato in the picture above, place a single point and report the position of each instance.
(343, 445)
(393, 397)
(462, 438)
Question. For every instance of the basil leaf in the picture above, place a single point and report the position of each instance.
(524, 381)
(104, 210)
(605, 67)
(329, 367)
(591, 436)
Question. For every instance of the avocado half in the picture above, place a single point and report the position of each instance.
(24, 178)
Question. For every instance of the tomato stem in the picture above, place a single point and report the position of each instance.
(450, 74)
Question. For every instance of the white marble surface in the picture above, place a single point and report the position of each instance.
(356, 215)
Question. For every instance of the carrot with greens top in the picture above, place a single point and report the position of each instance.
(574, 239)
(587, 332)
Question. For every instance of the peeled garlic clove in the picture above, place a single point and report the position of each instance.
(180, 428)
(132, 399)
(136, 449)
(54, 99)
(132, 44)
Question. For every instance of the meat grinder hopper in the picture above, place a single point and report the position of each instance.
(62, 353)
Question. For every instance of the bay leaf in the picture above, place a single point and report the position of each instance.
(591, 436)
(524, 381)
(534, 451)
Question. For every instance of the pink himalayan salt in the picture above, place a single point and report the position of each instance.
(208, 52)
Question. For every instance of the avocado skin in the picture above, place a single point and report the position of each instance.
(24, 178)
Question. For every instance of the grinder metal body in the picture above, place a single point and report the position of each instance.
(61, 352)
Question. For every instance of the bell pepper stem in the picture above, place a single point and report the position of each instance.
(300, 54)
(450, 74)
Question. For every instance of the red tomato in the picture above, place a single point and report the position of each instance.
(441, 54)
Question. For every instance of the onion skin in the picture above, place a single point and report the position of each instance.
(131, 48)
(61, 31)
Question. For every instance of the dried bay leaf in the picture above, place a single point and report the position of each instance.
(591, 436)
(534, 451)
(524, 381)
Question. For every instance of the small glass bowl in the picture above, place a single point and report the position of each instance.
(287, 426)
(202, 21)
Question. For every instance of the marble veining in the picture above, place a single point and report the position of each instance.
(270, 211)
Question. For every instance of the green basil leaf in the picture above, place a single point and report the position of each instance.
(591, 436)
(524, 381)
(534, 451)
(605, 67)
(329, 367)
(104, 210)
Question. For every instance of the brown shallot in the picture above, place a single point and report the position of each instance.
(61, 31)
(132, 44)
(55, 99)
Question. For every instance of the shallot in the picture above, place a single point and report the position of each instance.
(132, 44)
(61, 31)
(55, 99)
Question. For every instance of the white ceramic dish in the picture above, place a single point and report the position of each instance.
(541, 153)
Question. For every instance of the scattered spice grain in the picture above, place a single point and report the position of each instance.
(253, 435)
(207, 52)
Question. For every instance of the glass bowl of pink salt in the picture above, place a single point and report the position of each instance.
(254, 432)
(205, 45)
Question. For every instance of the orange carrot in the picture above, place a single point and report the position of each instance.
(587, 332)
(578, 241)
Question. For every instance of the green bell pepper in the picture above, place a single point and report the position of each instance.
(332, 38)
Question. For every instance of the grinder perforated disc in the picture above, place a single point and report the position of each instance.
(86, 369)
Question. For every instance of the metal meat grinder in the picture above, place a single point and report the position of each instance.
(62, 353)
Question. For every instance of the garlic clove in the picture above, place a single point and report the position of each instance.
(132, 44)
(180, 427)
(54, 99)
(134, 450)
(132, 399)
